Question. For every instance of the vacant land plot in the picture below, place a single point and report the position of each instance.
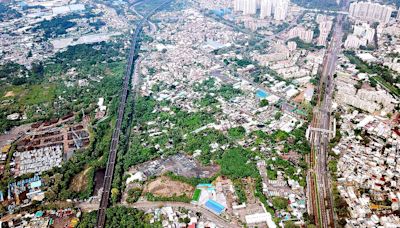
(9, 94)
(180, 164)
(165, 187)
(80, 181)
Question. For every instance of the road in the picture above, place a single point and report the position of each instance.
(220, 222)
(101, 214)
(319, 189)
(152, 26)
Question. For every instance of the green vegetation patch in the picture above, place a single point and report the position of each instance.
(237, 132)
(386, 77)
(120, 217)
(240, 190)
(35, 92)
(280, 203)
(303, 45)
(59, 25)
(235, 164)
(194, 181)
(196, 195)
(182, 198)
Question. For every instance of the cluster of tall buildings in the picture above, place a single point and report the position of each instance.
(325, 24)
(304, 34)
(268, 8)
(363, 35)
(371, 12)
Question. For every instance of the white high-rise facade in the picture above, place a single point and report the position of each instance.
(238, 5)
(276, 8)
(281, 9)
(266, 8)
(250, 7)
(371, 12)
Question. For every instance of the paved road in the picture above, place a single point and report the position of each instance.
(220, 222)
(101, 214)
(153, 27)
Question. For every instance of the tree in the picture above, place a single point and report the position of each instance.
(358, 85)
(2, 209)
(373, 82)
(237, 132)
(264, 103)
(50, 195)
(290, 224)
(88, 220)
(234, 164)
(278, 116)
(280, 202)
(114, 194)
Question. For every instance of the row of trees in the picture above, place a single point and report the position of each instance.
(120, 217)
(382, 73)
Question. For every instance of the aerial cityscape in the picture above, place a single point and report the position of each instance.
(200, 113)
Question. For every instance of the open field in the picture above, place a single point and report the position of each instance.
(80, 181)
(165, 187)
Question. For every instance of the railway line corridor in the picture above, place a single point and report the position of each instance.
(129, 72)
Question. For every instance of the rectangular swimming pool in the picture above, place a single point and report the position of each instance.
(214, 206)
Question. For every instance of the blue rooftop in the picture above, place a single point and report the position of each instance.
(39, 214)
(36, 184)
(214, 206)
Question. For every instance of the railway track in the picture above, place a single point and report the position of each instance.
(319, 186)
(101, 214)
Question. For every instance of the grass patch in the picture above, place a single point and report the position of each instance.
(388, 86)
(196, 195)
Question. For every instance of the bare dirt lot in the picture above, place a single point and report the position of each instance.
(9, 94)
(180, 164)
(79, 182)
(165, 187)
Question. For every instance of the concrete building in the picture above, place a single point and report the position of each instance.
(371, 12)
(292, 45)
(363, 35)
(325, 27)
(352, 42)
(250, 7)
(266, 8)
(281, 9)
(276, 8)
(304, 34)
(238, 5)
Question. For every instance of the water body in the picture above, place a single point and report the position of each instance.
(261, 94)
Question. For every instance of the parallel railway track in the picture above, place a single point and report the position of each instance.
(101, 214)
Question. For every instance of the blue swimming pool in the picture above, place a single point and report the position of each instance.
(204, 185)
(261, 94)
(214, 206)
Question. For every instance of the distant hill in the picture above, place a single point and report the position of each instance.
(397, 2)
(319, 4)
